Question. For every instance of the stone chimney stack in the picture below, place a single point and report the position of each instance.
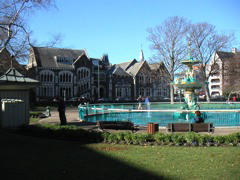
(234, 50)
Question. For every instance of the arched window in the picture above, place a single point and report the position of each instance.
(82, 73)
(65, 76)
(46, 76)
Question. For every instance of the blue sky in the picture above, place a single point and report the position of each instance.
(118, 28)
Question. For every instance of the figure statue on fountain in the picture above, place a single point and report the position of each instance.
(189, 83)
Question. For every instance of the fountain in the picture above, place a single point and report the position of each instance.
(188, 84)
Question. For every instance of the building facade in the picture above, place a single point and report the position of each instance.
(219, 78)
(72, 73)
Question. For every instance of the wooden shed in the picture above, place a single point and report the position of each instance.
(14, 98)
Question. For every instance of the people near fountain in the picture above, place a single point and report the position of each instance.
(234, 98)
(147, 103)
(140, 101)
(198, 118)
(228, 101)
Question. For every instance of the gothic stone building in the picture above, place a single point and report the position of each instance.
(71, 73)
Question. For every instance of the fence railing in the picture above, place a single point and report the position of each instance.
(223, 114)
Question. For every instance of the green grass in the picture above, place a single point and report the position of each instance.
(34, 120)
(26, 157)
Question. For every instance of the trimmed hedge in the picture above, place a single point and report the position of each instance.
(69, 132)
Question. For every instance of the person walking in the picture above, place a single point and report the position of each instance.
(61, 110)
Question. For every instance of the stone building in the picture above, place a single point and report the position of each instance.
(72, 73)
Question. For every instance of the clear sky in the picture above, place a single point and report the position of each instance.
(118, 27)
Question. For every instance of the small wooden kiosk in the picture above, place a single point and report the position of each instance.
(14, 98)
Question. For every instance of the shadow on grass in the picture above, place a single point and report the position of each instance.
(26, 157)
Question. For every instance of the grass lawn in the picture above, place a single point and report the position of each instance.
(26, 157)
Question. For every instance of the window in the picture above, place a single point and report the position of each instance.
(148, 91)
(46, 76)
(119, 92)
(66, 77)
(83, 73)
(141, 91)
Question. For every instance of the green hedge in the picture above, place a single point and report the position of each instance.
(77, 133)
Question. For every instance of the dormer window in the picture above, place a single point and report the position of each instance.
(63, 59)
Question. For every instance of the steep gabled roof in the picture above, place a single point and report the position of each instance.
(156, 66)
(117, 70)
(80, 57)
(6, 62)
(126, 65)
(133, 70)
(45, 56)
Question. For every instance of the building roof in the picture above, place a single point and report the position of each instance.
(46, 57)
(227, 55)
(126, 65)
(156, 66)
(12, 76)
(117, 70)
(6, 62)
(133, 70)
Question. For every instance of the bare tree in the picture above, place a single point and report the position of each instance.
(14, 32)
(205, 42)
(169, 42)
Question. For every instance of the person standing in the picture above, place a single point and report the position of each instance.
(140, 100)
(147, 102)
(234, 98)
(61, 110)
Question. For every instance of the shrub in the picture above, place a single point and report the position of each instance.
(128, 137)
(104, 136)
(204, 139)
(167, 138)
(219, 139)
(178, 139)
(159, 137)
(191, 137)
(112, 138)
(77, 133)
(140, 138)
(120, 137)
(232, 138)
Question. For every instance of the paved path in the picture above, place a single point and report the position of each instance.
(73, 119)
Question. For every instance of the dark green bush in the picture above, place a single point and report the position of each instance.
(232, 138)
(159, 137)
(128, 138)
(219, 139)
(204, 139)
(178, 139)
(77, 133)
(191, 137)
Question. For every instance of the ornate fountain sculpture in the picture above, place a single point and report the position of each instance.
(188, 84)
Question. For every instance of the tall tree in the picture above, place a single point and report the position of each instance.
(205, 42)
(14, 32)
(169, 41)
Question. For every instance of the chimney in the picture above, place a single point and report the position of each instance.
(234, 50)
